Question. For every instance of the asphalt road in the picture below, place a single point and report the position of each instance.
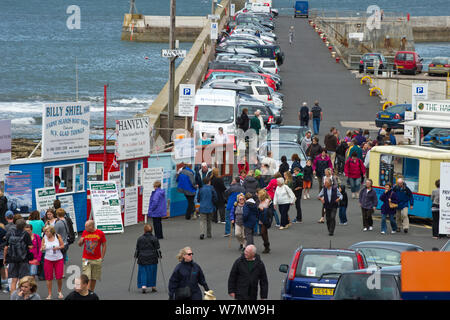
(308, 74)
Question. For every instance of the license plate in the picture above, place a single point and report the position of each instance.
(439, 66)
(384, 116)
(370, 68)
(323, 292)
(400, 67)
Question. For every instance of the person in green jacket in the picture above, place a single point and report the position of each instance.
(255, 123)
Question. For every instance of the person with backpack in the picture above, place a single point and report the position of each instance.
(265, 217)
(16, 253)
(250, 217)
(62, 229)
(303, 115)
(354, 169)
(36, 251)
(316, 115)
(53, 245)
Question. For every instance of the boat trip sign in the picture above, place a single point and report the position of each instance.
(106, 206)
(133, 138)
(65, 130)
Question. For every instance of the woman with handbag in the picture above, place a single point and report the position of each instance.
(389, 207)
(183, 284)
(284, 197)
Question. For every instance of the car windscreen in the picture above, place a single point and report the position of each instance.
(315, 264)
(381, 256)
(440, 61)
(215, 114)
(283, 135)
(405, 57)
(358, 286)
(263, 91)
(288, 151)
(268, 64)
(252, 109)
(396, 109)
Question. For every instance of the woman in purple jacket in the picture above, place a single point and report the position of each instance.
(157, 208)
(388, 194)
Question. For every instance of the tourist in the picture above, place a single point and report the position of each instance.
(186, 185)
(303, 115)
(157, 208)
(297, 188)
(82, 292)
(307, 178)
(283, 198)
(250, 218)
(231, 197)
(284, 166)
(219, 186)
(265, 217)
(368, 201)
(320, 163)
(237, 218)
(147, 254)
(390, 203)
(207, 196)
(330, 197)
(36, 251)
(52, 245)
(343, 204)
(405, 198)
(316, 115)
(354, 169)
(27, 288)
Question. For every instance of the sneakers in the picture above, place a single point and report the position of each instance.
(393, 232)
(202, 236)
(382, 232)
(222, 222)
(227, 235)
(405, 230)
(282, 228)
(304, 197)
(370, 228)
(365, 229)
(277, 225)
(308, 196)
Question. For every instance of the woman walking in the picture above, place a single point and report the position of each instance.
(52, 244)
(284, 166)
(219, 186)
(265, 216)
(295, 163)
(50, 217)
(271, 188)
(368, 201)
(185, 279)
(237, 218)
(435, 209)
(157, 208)
(354, 169)
(27, 288)
(36, 251)
(284, 197)
(35, 220)
(147, 254)
(390, 204)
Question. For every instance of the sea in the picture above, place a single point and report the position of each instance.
(40, 54)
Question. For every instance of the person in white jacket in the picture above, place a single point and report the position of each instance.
(283, 197)
(269, 160)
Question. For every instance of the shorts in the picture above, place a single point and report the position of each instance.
(18, 270)
(306, 184)
(57, 265)
(92, 268)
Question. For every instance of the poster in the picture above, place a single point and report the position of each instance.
(44, 198)
(65, 131)
(444, 199)
(18, 191)
(133, 138)
(150, 176)
(106, 206)
(184, 149)
(5, 142)
(131, 206)
(114, 176)
(67, 205)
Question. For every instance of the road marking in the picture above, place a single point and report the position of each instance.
(365, 125)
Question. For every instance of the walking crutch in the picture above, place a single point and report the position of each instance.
(132, 273)
(162, 272)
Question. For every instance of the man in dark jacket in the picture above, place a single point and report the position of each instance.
(405, 198)
(316, 116)
(250, 183)
(368, 201)
(243, 120)
(231, 194)
(298, 188)
(186, 185)
(202, 173)
(331, 143)
(303, 115)
(3, 207)
(207, 197)
(247, 271)
(250, 215)
(330, 197)
(147, 254)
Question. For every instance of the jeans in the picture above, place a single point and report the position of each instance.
(275, 215)
(191, 206)
(284, 210)
(355, 184)
(298, 195)
(384, 225)
(343, 214)
(331, 219)
(367, 217)
(227, 222)
(316, 125)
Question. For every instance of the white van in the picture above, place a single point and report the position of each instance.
(215, 108)
(270, 65)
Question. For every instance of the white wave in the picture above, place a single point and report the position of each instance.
(117, 109)
(134, 100)
(21, 107)
(23, 121)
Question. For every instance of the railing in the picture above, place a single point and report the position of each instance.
(356, 15)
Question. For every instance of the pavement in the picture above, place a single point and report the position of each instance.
(308, 74)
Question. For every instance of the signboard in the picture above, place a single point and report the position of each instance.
(213, 17)
(5, 142)
(65, 131)
(4, 170)
(106, 206)
(186, 101)
(232, 9)
(214, 30)
(184, 148)
(131, 206)
(173, 53)
(444, 199)
(356, 35)
(114, 176)
(150, 176)
(44, 198)
(67, 205)
(408, 132)
(419, 92)
(18, 191)
(442, 107)
(133, 138)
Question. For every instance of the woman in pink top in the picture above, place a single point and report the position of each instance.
(36, 251)
(271, 188)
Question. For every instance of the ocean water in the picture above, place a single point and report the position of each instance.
(38, 53)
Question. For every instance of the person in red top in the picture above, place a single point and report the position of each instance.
(271, 188)
(243, 165)
(354, 169)
(94, 250)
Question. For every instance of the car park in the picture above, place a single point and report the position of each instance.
(437, 138)
(439, 66)
(288, 133)
(313, 273)
(393, 116)
(408, 62)
(270, 82)
(357, 284)
(369, 60)
(384, 253)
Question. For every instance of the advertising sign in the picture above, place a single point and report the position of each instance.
(131, 206)
(214, 30)
(114, 176)
(419, 92)
(186, 101)
(18, 191)
(232, 9)
(106, 206)
(150, 176)
(5, 142)
(67, 205)
(184, 148)
(444, 199)
(133, 138)
(442, 107)
(65, 131)
(44, 198)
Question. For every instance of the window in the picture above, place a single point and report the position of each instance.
(95, 171)
(248, 90)
(393, 167)
(268, 64)
(354, 287)
(381, 257)
(263, 90)
(314, 265)
(131, 173)
(71, 176)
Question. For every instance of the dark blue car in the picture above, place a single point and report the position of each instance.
(392, 116)
(313, 273)
(437, 138)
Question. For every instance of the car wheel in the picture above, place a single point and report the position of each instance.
(414, 71)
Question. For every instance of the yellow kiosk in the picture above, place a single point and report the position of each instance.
(419, 167)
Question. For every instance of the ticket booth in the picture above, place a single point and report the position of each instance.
(418, 166)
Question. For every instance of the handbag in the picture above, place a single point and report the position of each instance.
(185, 292)
(392, 205)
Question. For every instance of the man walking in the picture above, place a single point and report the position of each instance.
(207, 196)
(82, 292)
(250, 217)
(306, 141)
(202, 173)
(331, 143)
(405, 198)
(368, 201)
(186, 185)
(94, 251)
(303, 115)
(247, 272)
(316, 115)
(330, 197)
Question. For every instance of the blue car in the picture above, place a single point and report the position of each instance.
(301, 8)
(313, 273)
(392, 116)
(437, 138)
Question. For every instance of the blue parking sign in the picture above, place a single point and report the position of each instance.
(419, 90)
(187, 91)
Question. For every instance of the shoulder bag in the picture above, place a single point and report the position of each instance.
(185, 292)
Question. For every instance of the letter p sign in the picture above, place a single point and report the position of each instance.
(187, 91)
(419, 90)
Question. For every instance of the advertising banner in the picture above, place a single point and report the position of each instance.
(18, 191)
(106, 206)
(133, 138)
(131, 207)
(150, 176)
(65, 131)
(67, 205)
(444, 199)
(5, 142)
(44, 198)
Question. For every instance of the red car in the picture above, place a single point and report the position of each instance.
(271, 83)
(408, 62)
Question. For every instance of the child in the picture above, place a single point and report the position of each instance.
(343, 206)
(307, 178)
(242, 175)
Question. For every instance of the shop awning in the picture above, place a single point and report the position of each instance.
(428, 123)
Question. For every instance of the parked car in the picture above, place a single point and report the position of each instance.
(281, 148)
(250, 30)
(313, 273)
(269, 65)
(393, 116)
(369, 59)
(301, 9)
(439, 66)
(244, 36)
(233, 56)
(408, 62)
(353, 285)
(269, 51)
(384, 253)
(270, 82)
(437, 138)
(288, 133)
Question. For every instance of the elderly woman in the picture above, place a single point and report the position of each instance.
(284, 197)
(237, 218)
(390, 200)
(183, 284)
(147, 254)
(52, 244)
(157, 208)
(27, 290)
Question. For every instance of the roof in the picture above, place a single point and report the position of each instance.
(414, 152)
(393, 270)
(328, 250)
(386, 244)
(209, 91)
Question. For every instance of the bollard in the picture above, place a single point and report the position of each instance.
(333, 54)
(327, 43)
(338, 59)
(324, 39)
(330, 48)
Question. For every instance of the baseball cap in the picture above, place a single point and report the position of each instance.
(257, 173)
(9, 214)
